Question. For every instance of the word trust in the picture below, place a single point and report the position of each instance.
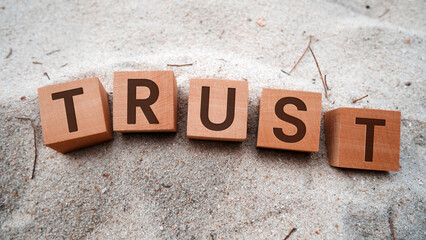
(76, 115)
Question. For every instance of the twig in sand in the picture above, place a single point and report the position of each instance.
(356, 100)
(220, 37)
(325, 80)
(300, 59)
(35, 144)
(35, 62)
(289, 234)
(391, 227)
(64, 65)
(384, 13)
(324, 83)
(9, 54)
(319, 70)
(179, 65)
(285, 72)
(47, 75)
(52, 52)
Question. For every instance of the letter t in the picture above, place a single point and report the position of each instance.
(69, 106)
(369, 138)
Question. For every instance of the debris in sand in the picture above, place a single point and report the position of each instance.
(220, 37)
(384, 13)
(261, 22)
(179, 65)
(47, 75)
(356, 100)
(392, 229)
(285, 72)
(10, 53)
(316, 62)
(35, 144)
(319, 70)
(52, 52)
(325, 80)
(300, 59)
(291, 232)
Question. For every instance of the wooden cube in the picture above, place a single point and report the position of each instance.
(289, 120)
(74, 115)
(363, 138)
(217, 110)
(145, 101)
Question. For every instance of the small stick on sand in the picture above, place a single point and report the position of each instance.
(47, 75)
(325, 80)
(391, 227)
(35, 144)
(356, 100)
(289, 234)
(300, 59)
(179, 65)
(384, 13)
(285, 72)
(52, 52)
(64, 65)
(220, 37)
(319, 70)
(9, 54)
(35, 62)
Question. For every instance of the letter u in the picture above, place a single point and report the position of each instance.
(230, 110)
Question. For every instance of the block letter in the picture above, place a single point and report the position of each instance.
(145, 101)
(369, 136)
(230, 110)
(74, 114)
(363, 138)
(289, 120)
(300, 125)
(144, 104)
(217, 110)
(69, 106)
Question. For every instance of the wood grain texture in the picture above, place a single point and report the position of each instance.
(346, 139)
(219, 94)
(164, 108)
(91, 113)
(268, 120)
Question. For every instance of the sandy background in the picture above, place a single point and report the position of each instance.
(164, 186)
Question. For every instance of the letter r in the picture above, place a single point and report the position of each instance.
(144, 104)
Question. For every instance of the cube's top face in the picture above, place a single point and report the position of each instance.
(218, 121)
(157, 90)
(295, 114)
(367, 139)
(57, 124)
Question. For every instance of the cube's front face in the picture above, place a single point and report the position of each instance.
(74, 114)
(368, 139)
(145, 101)
(289, 120)
(217, 110)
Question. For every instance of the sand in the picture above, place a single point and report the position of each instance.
(165, 186)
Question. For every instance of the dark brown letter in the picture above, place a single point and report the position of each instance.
(144, 104)
(369, 138)
(230, 110)
(301, 127)
(69, 106)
